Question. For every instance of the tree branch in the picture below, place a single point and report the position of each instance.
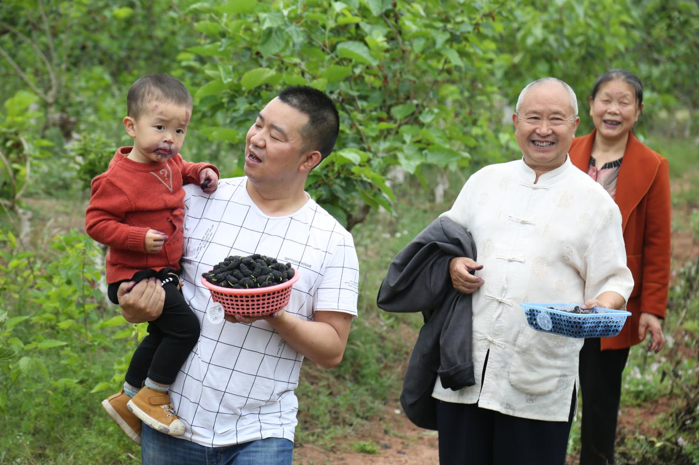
(12, 179)
(19, 193)
(48, 32)
(356, 126)
(32, 44)
(53, 93)
(23, 76)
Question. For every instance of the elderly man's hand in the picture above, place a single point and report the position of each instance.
(461, 270)
(650, 323)
(142, 302)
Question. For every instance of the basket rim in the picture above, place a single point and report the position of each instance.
(256, 291)
(599, 310)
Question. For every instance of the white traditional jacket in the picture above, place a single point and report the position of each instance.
(556, 241)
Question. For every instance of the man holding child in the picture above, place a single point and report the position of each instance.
(235, 392)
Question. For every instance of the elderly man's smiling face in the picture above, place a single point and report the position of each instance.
(545, 126)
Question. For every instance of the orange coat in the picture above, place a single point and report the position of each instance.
(643, 196)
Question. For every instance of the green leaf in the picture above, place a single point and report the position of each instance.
(25, 364)
(337, 213)
(19, 104)
(212, 88)
(123, 334)
(382, 126)
(453, 57)
(208, 27)
(66, 324)
(6, 354)
(14, 321)
(342, 20)
(103, 386)
(213, 50)
(401, 111)
(321, 18)
(294, 80)
(117, 320)
(257, 77)
(337, 73)
(222, 134)
(185, 56)
(428, 115)
(201, 7)
(355, 51)
(376, 6)
(442, 156)
(376, 179)
(272, 19)
(51, 343)
(123, 13)
(65, 383)
(439, 37)
(238, 6)
(320, 84)
(411, 159)
(376, 199)
(348, 155)
(272, 41)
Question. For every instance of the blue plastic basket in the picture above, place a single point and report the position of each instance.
(604, 322)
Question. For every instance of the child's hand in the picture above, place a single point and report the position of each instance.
(208, 180)
(154, 241)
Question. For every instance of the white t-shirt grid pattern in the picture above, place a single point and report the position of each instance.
(238, 384)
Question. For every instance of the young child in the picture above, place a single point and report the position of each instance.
(137, 209)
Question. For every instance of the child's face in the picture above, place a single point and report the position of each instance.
(158, 132)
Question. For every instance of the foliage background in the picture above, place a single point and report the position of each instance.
(425, 92)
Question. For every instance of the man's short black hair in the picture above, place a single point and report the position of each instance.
(156, 87)
(320, 133)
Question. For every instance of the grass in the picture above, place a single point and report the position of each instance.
(682, 158)
(680, 153)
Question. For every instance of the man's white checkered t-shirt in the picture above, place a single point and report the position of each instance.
(238, 383)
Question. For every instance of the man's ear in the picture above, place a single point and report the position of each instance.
(310, 161)
(130, 126)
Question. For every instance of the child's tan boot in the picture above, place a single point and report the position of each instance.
(127, 421)
(154, 409)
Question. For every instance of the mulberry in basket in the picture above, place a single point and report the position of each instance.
(257, 302)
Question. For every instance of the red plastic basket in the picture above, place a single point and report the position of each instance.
(262, 301)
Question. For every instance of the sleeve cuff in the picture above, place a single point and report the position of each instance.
(137, 239)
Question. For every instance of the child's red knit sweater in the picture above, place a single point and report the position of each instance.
(129, 199)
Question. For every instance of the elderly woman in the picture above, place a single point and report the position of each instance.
(638, 180)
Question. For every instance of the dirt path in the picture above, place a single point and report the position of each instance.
(395, 440)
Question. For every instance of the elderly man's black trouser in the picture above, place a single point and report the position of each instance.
(470, 435)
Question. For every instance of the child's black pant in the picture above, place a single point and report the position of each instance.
(170, 338)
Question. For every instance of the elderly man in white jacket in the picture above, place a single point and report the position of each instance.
(545, 232)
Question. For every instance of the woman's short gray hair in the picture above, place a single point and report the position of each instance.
(571, 93)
